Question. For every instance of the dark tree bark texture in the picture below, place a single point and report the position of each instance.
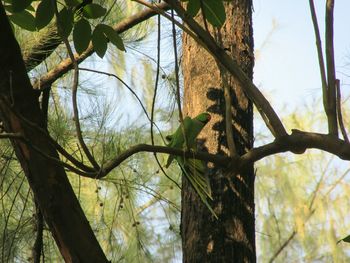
(20, 113)
(231, 238)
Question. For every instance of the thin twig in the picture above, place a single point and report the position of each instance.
(311, 212)
(340, 179)
(157, 8)
(74, 94)
(57, 161)
(44, 133)
(275, 255)
(124, 83)
(157, 78)
(130, 89)
(339, 112)
(320, 60)
(7, 218)
(6, 135)
(177, 81)
(154, 102)
(226, 83)
(143, 188)
(229, 119)
(333, 124)
(19, 224)
(204, 17)
(19, 136)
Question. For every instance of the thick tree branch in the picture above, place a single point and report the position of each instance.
(38, 243)
(106, 168)
(49, 182)
(5, 135)
(67, 64)
(298, 142)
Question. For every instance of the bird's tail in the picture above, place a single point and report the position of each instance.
(194, 169)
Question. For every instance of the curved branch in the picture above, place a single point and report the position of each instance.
(74, 94)
(297, 143)
(106, 168)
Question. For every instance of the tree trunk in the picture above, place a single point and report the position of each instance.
(231, 238)
(20, 113)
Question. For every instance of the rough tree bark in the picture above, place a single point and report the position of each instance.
(20, 113)
(232, 237)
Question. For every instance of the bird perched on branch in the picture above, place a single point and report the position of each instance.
(193, 169)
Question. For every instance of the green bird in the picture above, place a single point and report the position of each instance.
(192, 129)
(193, 169)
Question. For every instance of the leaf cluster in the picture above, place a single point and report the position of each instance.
(213, 11)
(74, 15)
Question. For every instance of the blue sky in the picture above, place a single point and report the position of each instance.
(286, 63)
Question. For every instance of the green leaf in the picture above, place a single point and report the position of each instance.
(99, 41)
(94, 11)
(113, 36)
(24, 20)
(72, 3)
(20, 5)
(65, 20)
(44, 14)
(345, 239)
(81, 35)
(214, 11)
(193, 7)
(8, 8)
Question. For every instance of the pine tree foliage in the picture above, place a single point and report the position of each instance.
(302, 203)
